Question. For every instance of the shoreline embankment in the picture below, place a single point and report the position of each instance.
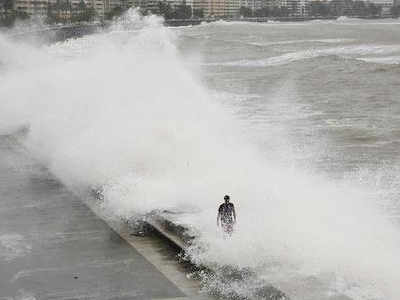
(59, 33)
(198, 21)
(179, 237)
(54, 246)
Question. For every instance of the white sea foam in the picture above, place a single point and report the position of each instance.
(122, 112)
(347, 19)
(356, 21)
(25, 295)
(388, 60)
(344, 51)
(323, 41)
(13, 246)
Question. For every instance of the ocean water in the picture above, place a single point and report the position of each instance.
(298, 122)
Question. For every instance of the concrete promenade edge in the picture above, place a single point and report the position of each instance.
(53, 246)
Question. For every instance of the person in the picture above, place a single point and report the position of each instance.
(226, 215)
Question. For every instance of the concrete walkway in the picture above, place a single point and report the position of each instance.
(52, 246)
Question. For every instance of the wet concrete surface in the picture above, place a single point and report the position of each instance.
(52, 246)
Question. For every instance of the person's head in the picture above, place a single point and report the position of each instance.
(226, 198)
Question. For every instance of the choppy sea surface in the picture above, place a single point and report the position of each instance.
(298, 122)
(332, 86)
(319, 96)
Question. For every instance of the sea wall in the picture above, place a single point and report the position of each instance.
(216, 280)
(55, 34)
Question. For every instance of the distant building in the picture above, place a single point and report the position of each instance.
(232, 7)
(188, 2)
(217, 8)
(176, 3)
(32, 7)
(294, 7)
(271, 3)
(299, 8)
(99, 7)
(214, 8)
(199, 6)
(386, 6)
(65, 7)
(252, 4)
(109, 5)
(150, 6)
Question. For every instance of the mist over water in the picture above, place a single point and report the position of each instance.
(298, 122)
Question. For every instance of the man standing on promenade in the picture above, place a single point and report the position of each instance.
(226, 215)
